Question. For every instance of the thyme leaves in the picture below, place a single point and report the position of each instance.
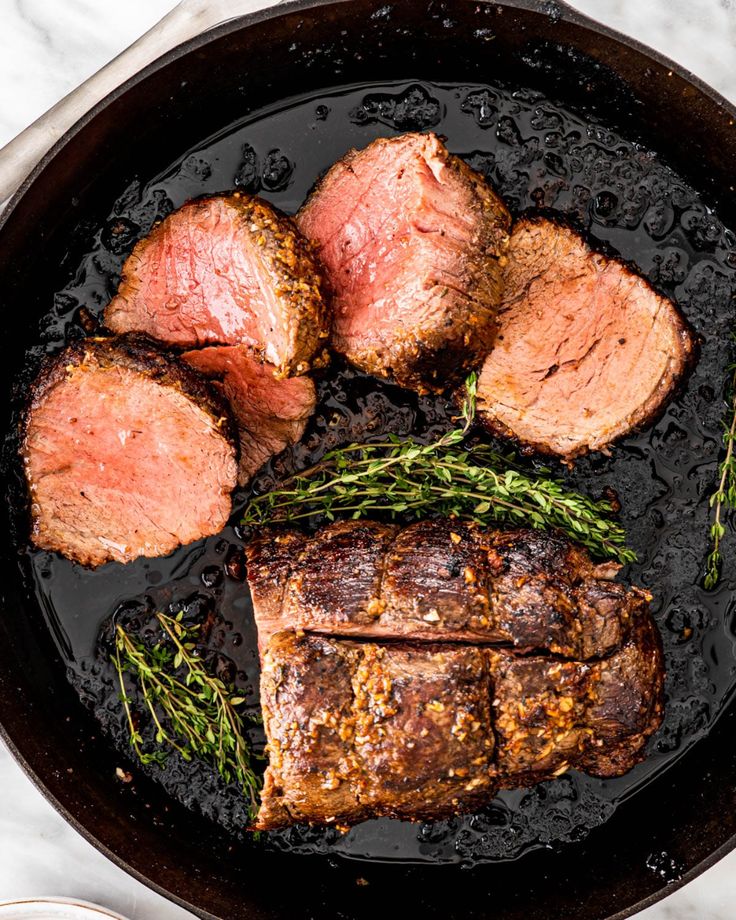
(191, 710)
(724, 497)
(448, 477)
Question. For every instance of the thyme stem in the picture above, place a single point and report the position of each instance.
(724, 497)
(445, 477)
(191, 711)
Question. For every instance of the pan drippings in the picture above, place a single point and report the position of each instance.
(538, 156)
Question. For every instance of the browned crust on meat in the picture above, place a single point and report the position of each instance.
(343, 719)
(290, 259)
(270, 564)
(309, 727)
(142, 355)
(340, 570)
(594, 716)
(443, 580)
(424, 731)
(670, 384)
(362, 730)
(542, 570)
(628, 706)
(441, 357)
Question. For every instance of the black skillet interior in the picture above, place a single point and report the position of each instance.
(652, 841)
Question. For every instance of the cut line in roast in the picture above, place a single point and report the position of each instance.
(127, 452)
(271, 412)
(411, 240)
(586, 349)
(446, 697)
(225, 270)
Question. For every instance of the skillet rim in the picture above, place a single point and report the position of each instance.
(558, 11)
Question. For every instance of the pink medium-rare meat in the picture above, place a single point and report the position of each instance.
(411, 240)
(586, 350)
(271, 412)
(225, 270)
(127, 453)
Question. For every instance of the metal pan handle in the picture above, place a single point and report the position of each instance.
(188, 19)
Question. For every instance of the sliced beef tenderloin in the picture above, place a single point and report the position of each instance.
(411, 240)
(442, 580)
(127, 453)
(586, 350)
(271, 412)
(361, 730)
(226, 270)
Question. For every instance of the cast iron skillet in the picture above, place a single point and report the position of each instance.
(688, 813)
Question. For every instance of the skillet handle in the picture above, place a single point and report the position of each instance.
(188, 19)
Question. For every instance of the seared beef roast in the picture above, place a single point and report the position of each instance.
(359, 730)
(271, 413)
(410, 238)
(127, 453)
(226, 270)
(419, 729)
(586, 350)
(594, 716)
(441, 580)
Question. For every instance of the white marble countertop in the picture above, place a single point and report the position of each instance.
(46, 49)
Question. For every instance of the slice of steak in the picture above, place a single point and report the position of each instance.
(410, 238)
(445, 580)
(596, 716)
(271, 412)
(424, 731)
(586, 350)
(226, 270)
(361, 730)
(127, 453)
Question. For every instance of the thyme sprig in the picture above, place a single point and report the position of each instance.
(724, 498)
(192, 711)
(447, 477)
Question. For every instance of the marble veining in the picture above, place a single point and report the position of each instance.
(699, 34)
(46, 49)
